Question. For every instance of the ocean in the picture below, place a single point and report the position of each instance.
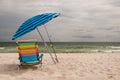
(66, 47)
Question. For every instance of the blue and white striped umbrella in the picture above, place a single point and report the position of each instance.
(33, 23)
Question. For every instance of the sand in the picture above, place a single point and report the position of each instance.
(72, 66)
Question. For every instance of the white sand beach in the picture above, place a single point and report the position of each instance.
(71, 66)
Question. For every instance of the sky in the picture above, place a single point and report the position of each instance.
(80, 20)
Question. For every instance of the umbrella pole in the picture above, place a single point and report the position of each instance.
(45, 45)
(51, 44)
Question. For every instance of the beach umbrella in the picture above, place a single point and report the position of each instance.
(32, 24)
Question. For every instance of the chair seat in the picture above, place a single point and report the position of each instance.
(30, 63)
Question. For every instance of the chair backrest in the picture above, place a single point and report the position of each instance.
(28, 51)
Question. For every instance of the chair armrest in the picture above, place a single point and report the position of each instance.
(20, 59)
(41, 55)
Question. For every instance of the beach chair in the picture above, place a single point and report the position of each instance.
(29, 53)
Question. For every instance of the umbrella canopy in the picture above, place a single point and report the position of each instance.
(33, 23)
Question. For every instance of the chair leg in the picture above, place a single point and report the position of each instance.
(40, 65)
(19, 67)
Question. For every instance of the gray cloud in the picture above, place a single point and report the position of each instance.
(80, 20)
(115, 3)
(86, 36)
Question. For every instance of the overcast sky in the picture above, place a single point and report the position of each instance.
(80, 20)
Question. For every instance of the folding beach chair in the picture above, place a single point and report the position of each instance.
(29, 53)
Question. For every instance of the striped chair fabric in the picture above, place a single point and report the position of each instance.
(28, 52)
